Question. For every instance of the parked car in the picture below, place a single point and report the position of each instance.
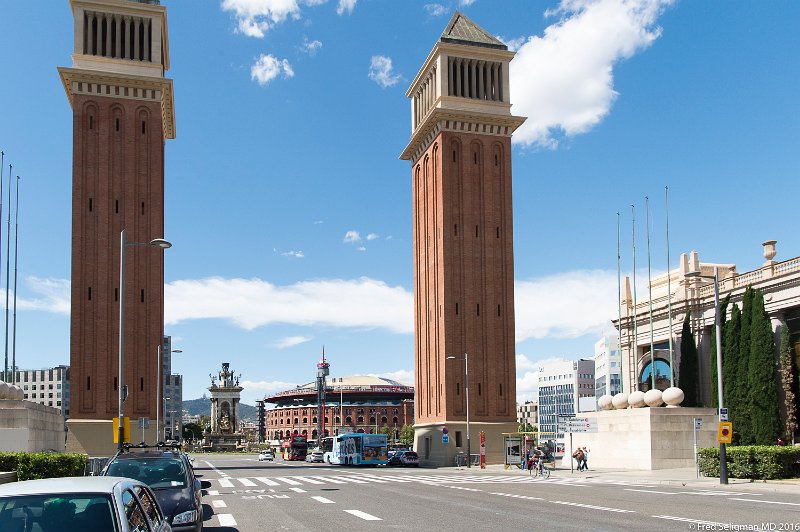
(69, 504)
(315, 456)
(266, 455)
(168, 474)
(404, 458)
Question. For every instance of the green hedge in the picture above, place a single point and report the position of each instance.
(756, 462)
(30, 466)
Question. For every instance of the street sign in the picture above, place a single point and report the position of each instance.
(144, 422)
(578, 424)
(725, 432)
(698, 423)
(723, 414)
(445, 439)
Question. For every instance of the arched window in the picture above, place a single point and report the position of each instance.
(339, 421)
(661, 374)
(295, 421)
(305, 421)
(384, 420)
(360, 419)
(349, 420)
(394, 420)
(372, 420)
(314, 433)
(314, 420)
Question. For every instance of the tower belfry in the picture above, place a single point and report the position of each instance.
(460, 150)
(123, 112)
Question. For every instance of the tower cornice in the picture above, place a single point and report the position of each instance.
(113, 85)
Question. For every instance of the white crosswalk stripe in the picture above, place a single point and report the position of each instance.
(247, 482)
(289, 481)
(267, 481)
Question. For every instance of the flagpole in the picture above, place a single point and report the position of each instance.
(635, 332)
(669, 290)
(8, 260)
(10, 167)
(650, 292)
(619, 322)
(16, 250)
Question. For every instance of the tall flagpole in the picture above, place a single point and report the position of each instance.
(8, 261)
(669, 291)
(650, 291)
(16, 250)
(635, 316)
(5, 365)
(619, 322)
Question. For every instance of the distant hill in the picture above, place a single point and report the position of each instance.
(202, 407)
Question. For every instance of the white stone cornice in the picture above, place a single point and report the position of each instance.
(131, 87)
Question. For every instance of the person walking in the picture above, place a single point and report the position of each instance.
(585, 452)
(578, 456)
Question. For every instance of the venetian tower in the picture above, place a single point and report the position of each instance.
(460, 150)
(123, 112)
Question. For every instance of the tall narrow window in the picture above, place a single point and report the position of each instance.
(456, 309)
(501, 390)
(479, 388)
(141, 384)
(498, 310)
(496, 161)
(116, 206)
(91, 122)
(458, 388)
(88, 382)
(475, 157)
(476, 231)
(498, 232)
(455, 229)
(116, 294)
(142, 207)
(142, 295)
(116, 124)
(479, 309)
(90, 204)
(115, 384)
(143, 129)
(90, 293)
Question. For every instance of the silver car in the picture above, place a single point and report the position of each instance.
(69, 504)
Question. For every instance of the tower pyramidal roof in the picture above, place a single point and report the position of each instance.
(462, 30)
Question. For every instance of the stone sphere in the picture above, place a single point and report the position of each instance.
(673, 396)
(653, 398)
(620, 401)
(19, 393)
(604, 403)
(636, 399)
(5, 389)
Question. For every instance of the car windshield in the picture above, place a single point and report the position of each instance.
(158, 473)
(57, 513)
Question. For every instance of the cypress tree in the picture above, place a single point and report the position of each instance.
(732, 359)
(787, 374)
(741, 379)
(688, 367)
(763, 381)
(712, 356)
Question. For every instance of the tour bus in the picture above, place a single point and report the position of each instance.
(295, 448)
(358, 449)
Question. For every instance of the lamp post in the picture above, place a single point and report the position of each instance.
(723, 465)
(466, 392)
(157, 242)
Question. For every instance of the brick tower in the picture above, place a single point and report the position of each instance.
(122, 108)
(460, 151)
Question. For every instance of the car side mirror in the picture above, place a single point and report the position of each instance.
(204, 484)
(197, 485)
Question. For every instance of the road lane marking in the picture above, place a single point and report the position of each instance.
(217, 503)
(221, 473)
(323, 500)
(396, 479)
(331, 480)
(267, 481)
(288, 481)
(592, 507)
(363, 515)
(213, 493)
(247, 482)
(298, 490)
(653, 491)
(309, 480)
(687, 520)
(225, 483)
(370, 478)
(226, 520)
(463, 489)
(351, 479)
(765, 502)
(515, 496)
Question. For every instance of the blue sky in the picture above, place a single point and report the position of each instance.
(290, 212)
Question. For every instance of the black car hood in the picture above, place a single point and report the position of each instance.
(175, 501)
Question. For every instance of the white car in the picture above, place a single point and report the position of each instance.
(315, 456)
(266, 455)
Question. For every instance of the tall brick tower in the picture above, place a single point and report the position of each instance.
(460, 151)
(123, 112)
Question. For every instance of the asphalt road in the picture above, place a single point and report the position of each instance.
(247, 495)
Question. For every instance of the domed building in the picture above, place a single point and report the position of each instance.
(358, 403)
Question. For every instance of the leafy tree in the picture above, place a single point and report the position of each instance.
(787, 375)
(527, 427)
(192, 431)
(742, 405)
(723, 314)
(763, 378)
(386, 430)
(731, 362)
(689, 367)
(407, 434)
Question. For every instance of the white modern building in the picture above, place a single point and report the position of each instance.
(173, 393)
(528, 413)
(562, 386)
(607, 366)
(48, 386)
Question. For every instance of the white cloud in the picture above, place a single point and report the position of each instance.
(513, 44)
(291, 341)
(54, 295)
(436, 10)
(251, 303)
(403, 376)
(528, 376)
(565, 305)
(465, 3)
(381, 71)
(310, 47)
(563, 81)
(346, 6)
(372, 236)
(292, 254)
(269, 67)
(361, 248)
(255, 17)
(351, 237)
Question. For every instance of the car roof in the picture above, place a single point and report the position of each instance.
(72, 485)
(141, 455)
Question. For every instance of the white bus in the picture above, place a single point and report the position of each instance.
(357, 449)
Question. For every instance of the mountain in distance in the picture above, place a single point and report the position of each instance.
(202, 407)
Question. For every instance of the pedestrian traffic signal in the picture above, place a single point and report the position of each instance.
(725, 432)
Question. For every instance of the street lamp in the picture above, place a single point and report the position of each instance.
(466, 392)
(723, 465)
(158, 390)
(157, 242)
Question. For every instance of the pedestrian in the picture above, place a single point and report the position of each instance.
(585, 459)
(578, 456)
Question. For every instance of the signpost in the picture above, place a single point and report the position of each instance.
(698, 424)
(445, 439)
(723, 414)
(144, 423)
(483, 450)
(568, 423)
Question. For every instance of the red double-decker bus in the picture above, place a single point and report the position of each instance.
(295, 448)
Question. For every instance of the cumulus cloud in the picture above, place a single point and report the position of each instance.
(351, 237)
(513, 44)
(53, 295)
(528, 376)
(346, 6)
(565, 305)
(290, 254)
(372, 236)
(251, 303)
(564, 81)
(382, 72)
(361, 248)
(310, 47)
(256, 390)
(402, 376)
(436, 10)
(255, 17)
(268, 67)
(465, 3)
(291, 341)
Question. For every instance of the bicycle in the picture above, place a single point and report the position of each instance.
(537, 468)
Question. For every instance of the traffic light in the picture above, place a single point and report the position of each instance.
(725, 432)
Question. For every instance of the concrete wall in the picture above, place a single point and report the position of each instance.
(645, 438)
(30, 427)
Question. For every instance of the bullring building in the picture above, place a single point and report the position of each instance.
(357, 403)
